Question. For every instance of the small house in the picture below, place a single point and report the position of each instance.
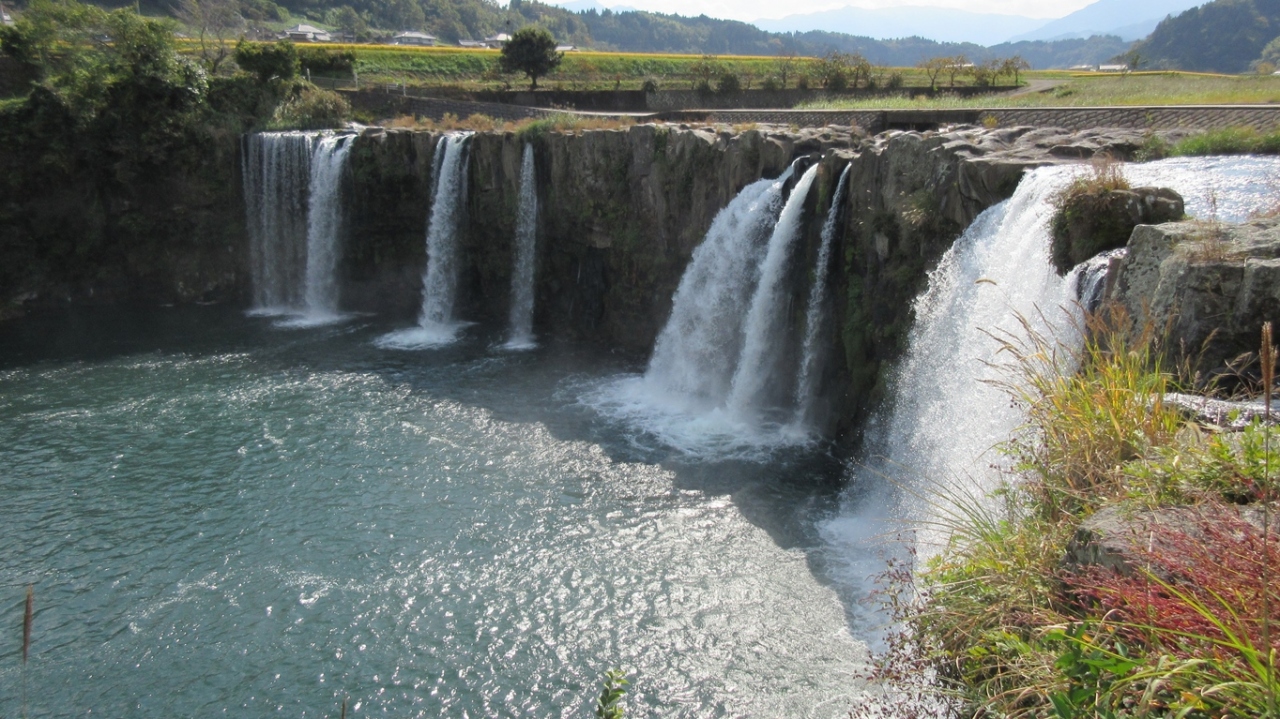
(307, 33)
(412, 37)
(1113, 68)
(497, 40)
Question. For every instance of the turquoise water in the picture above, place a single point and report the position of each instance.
(221, 517)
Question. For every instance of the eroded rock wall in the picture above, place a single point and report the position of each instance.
(621, 212)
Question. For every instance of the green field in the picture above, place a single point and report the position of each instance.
(1165, 88)
(470, 69)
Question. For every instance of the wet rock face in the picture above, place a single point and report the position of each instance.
(1212, 285)
(622, 211)
(1090, 222)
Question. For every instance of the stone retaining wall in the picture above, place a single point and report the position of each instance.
(387, 105)
(1198, 117)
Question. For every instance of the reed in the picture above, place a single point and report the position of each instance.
(27, 615)
(1267, 354)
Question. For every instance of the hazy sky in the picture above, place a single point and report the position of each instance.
(754, 9)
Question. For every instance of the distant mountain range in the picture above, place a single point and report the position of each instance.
(1127, 19)
(934, 23)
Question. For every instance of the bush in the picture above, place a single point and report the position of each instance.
(311, 108)
(728, 84)
(771, 83)
(650, 85)
(268, 61)
(322, 59)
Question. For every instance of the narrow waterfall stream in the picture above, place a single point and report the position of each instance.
(293, 213)
(324, 229)
(811, 353)
(437, 325)
(758, 367)
(277, 176)
(520, 335)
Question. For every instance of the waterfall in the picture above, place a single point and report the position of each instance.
(704, 390)
(937, 438)
(766, 319)
(436, 323)
(324, 227)
(696, 353)
(816, 312)
(522, 272)
(293, 214)
(276, 169)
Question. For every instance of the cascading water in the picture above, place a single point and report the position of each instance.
(276, 180)
(937, 438)
(816, 313)
(522, 273)
(324, 227)
(766, 321)
(684, 398)
(696, 353)
(436, 323)
(293, 208)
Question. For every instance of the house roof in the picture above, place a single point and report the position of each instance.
(309, 29)
(415, 33)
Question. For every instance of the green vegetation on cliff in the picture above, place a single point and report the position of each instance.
(120, 157)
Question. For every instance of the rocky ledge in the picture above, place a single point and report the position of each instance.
(1212, 285)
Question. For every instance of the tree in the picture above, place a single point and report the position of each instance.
(1013, 66)
(213, 22)
(933, 67)
(349, 22)
(530, 50)
(955, 66)
(784, 63)
(268, 60)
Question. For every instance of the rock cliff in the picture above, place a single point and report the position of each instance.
(1212, 285)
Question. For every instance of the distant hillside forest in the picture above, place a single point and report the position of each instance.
(454, 20)
(1221, 36)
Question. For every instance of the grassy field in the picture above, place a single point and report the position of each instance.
(1165, 88)
(468, 69)
(471, 69)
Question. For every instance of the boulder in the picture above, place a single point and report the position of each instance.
(1090, 222)
(1211, 285)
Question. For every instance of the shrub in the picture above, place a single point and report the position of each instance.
(728, 84)
(311, 108)
(895, 81)
(650, 85)
(771, 84)
(278, 60)
(1206, 597)
(322, 59)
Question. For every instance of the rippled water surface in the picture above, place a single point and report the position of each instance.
(226, 518)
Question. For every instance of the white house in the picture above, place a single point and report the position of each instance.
(566, 48)
(413, 37)
(497, 40)
(1113, 68)
(472, 43)
(307, 33)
